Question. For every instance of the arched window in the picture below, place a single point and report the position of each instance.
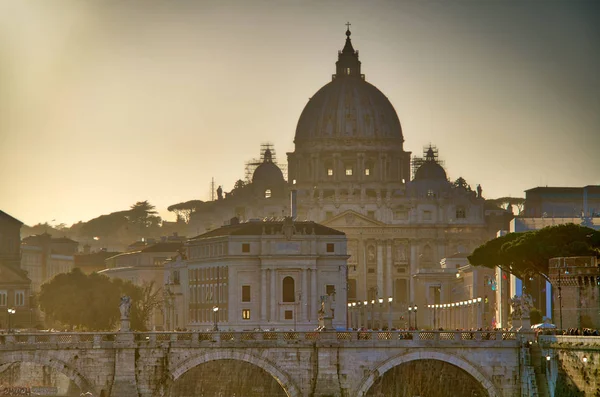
(461, 213)
(289, 290)
(268, 193)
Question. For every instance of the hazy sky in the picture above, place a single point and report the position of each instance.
(105, 103)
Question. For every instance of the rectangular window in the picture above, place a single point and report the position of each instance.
(3, 298)
(329, 171)
(371, 270)
(367, 172)
(246, 247)
(330, 247)
(349, 171)
(461, 213)
(401, 214)
(289, 315)
(245, 293)
(246, 314)
(19, 298)
(426, 215)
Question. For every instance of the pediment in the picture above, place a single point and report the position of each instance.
(351, 218)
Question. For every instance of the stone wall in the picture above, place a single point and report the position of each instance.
(574, 365)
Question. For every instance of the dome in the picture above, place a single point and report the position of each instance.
(349, 109)
(267, 173)
(430, 169)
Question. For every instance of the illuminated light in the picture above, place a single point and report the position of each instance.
(585, 359)
(380, 301)
(353, 304)
(390, 299)
(479, 299)
(548, 358)
(349, 304)
(365, 303)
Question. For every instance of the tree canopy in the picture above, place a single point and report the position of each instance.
(91, 302)
(524, 254)
(508, 202)
(186, 209)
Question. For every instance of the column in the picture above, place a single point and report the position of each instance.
(380, 290)
(304, 299)
(263, 295)
(273, 299)
(314, 296)
(413, 269)
(390, 275)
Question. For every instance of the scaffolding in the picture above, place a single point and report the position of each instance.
(430, 153)
(254, 163)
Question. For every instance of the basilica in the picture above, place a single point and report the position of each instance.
(349, 171)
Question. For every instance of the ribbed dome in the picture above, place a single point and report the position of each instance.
(348, 107)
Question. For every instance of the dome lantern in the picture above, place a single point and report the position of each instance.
(347, 64)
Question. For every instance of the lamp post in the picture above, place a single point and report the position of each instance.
(349, 317)
(365, 314)
(380, 313)
(356, 315)
(560, 294)
(216, 316)
(409, 313)
(10, 313)
(372, 314)
(415, 310)
(390, 313)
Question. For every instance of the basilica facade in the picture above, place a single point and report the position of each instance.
(350, 171)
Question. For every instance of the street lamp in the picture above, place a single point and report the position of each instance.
(372, 314)
(349, 315)
(10, 312)
(380, 313)
(365, 313)
(356, 315)
(409, 313)
(216, 316)
(389, 313)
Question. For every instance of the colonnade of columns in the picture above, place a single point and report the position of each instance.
(374, 314)
(467, 314)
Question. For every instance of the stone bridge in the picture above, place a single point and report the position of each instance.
(303, 363)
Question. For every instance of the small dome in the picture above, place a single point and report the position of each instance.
(267, 173)
(430, 170)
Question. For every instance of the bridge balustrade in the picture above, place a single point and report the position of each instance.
(107, 339)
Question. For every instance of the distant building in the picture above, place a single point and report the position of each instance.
(90, 262)
(44, 256)
(349, 170)
(579, 300)
(15, 286)
(142, 267)
(262, 274)
(562, 202)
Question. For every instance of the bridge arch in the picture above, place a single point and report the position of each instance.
(39, 357)
(427, 355)
(281, 377)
